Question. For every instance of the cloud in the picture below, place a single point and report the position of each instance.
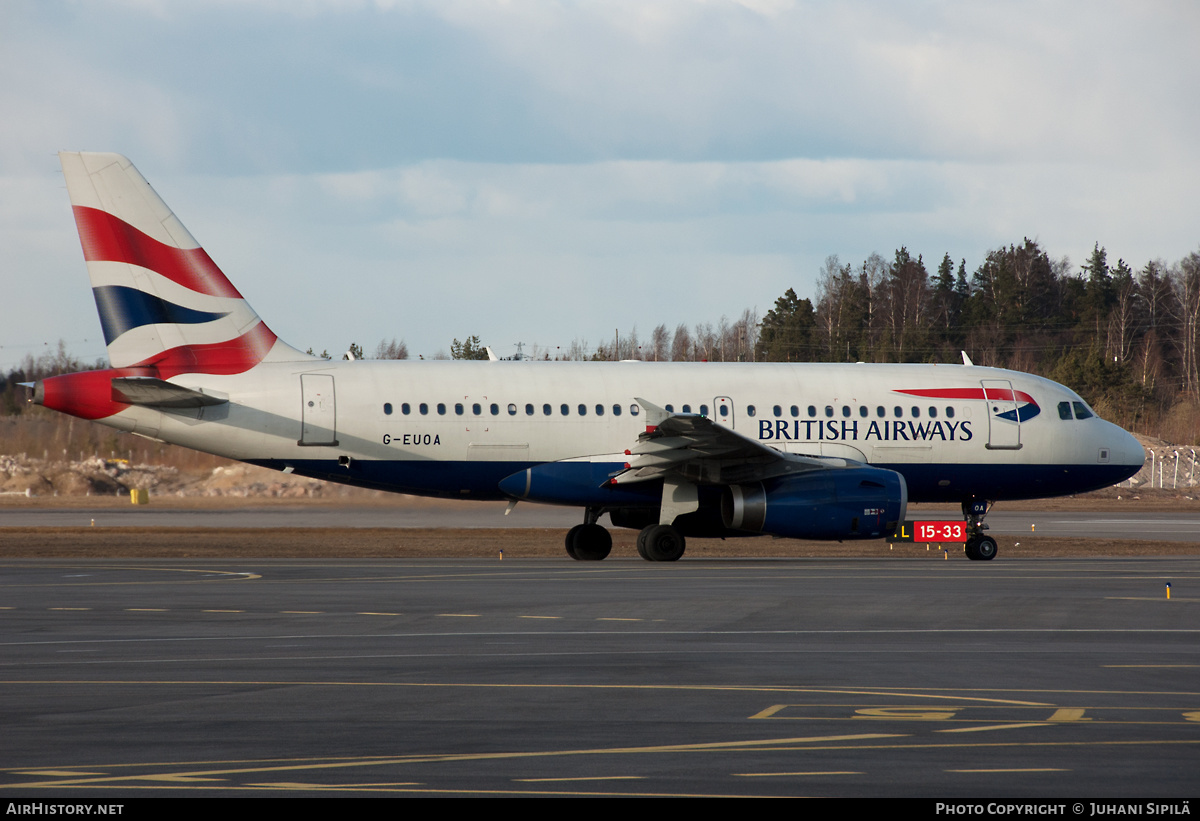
(560, 168)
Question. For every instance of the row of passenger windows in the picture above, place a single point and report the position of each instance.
(847, 411)
(581, 409)
(530, 409)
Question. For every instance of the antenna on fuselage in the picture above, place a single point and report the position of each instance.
(967, 360)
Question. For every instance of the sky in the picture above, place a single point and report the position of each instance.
(543, 172)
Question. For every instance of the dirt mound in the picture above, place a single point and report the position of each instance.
(27, 476)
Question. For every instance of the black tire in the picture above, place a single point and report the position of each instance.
(664, 543)
(970, 550)
(571, 534)
(985, 548)
(641, 542)
(592, 543)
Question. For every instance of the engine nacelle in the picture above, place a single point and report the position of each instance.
(838, 503)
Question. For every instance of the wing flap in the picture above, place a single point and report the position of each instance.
(697, 449)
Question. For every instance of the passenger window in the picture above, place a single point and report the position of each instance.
(529, 409)
(704, 410)
(477, 409)
(564, 409)
(599, 410)
(512, 409)
(405, 409)
(687, 409)
(423, 408)
(634, 410)
(795, 410)
(880, 412)
(862, 411)
(1081, 411)
(845, 410)
(829, 410)
(670, 408)
(495, 409)
(616, 410)
(387, 408)
(441, 408)
(812, 410)
(932, 412)
(777, 410)
(751, 410)
(723, 410)
(458, 408)
(546, 410)
(916, 412)
(898, 412)
(949, 412)
(583, 410)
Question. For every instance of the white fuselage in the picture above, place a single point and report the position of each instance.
(476, 420)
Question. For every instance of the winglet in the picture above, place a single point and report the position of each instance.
(655, 415)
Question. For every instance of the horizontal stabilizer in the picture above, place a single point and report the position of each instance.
(156, 393)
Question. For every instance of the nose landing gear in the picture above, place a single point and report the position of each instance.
(979, 546)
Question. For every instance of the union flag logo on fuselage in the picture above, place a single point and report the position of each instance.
(1006, 403)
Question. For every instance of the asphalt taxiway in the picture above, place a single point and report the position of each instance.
(1045, 677)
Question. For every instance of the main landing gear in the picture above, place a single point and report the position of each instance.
(660, 543)
(979, 546)
(589, 542)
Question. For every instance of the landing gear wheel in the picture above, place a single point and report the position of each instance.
(661, 543)
(641, 543)
(571, 534)
(588, 543)
(985, 548)
(981, 548)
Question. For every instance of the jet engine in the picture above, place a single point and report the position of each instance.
(836, 503)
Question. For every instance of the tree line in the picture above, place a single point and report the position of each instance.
(1127, 340)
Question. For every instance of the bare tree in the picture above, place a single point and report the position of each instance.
(1122, 318)
(391, 350)
(681, 345)
(660, 344)
(838, 311)
(1186, 281)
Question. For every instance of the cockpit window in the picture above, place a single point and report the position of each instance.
(1064, 410)
(1082, 411)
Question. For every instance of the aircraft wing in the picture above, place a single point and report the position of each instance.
(698, 449)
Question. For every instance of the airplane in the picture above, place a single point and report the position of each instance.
(674, 450)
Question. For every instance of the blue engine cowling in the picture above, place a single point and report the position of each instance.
(835, 503)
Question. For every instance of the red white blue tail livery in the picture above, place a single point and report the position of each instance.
(163, 302)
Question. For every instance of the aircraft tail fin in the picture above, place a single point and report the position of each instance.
(163, 303)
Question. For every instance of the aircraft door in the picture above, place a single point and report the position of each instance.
(1004, 420)
(723, 411)
(318, 412)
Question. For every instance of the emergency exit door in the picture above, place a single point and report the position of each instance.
(318, 411)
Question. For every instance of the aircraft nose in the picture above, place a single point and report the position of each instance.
(1134, 455)
(1126, 452)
